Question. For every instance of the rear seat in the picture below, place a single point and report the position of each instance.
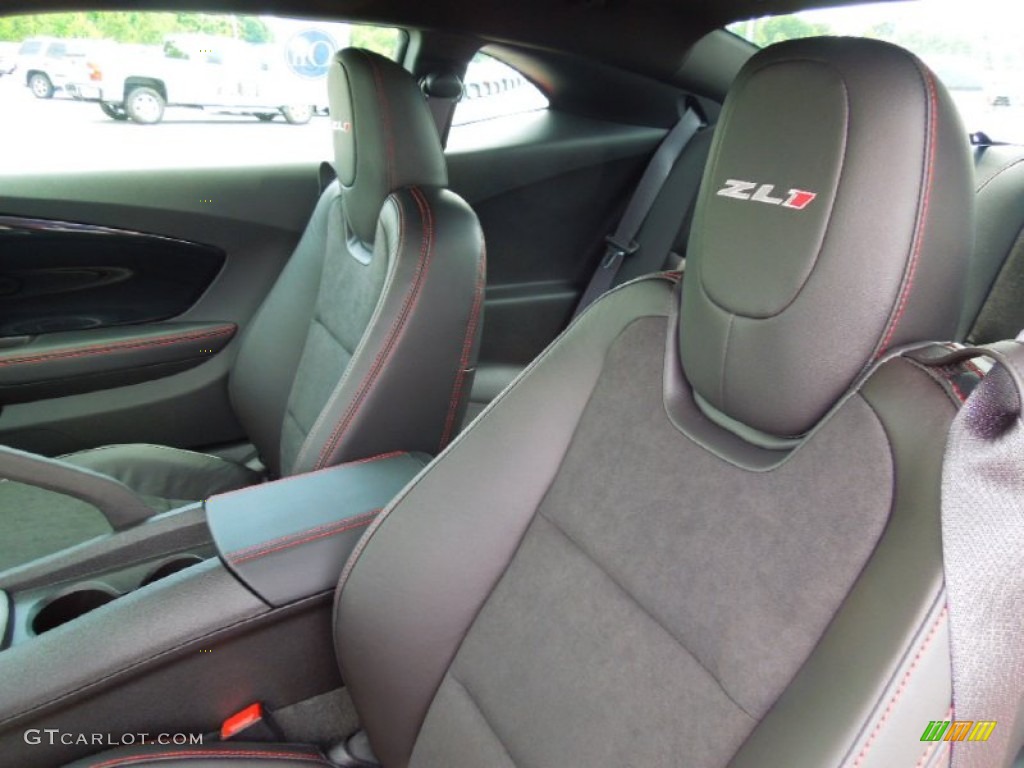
(994, 304)
(665, 230)
(993, 308)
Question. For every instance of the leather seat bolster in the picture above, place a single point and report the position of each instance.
(237, 755)
(164, 472)
(259, 392)
(421, 343)
(881, 671)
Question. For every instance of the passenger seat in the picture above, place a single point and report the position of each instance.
(366, 343)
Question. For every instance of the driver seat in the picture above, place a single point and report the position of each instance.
(366, 343)
(703, 528)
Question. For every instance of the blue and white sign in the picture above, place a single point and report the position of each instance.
(309, 53)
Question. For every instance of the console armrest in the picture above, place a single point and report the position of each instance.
(289, 539)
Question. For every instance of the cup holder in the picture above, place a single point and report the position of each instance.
(63, 609)
(165, 569)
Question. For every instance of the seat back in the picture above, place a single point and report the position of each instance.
(368, 339)
(703, 528)
(993, 309)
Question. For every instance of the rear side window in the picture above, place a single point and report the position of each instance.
(976, 48)
(144, 90)
(494, 89)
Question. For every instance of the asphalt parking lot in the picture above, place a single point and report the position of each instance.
(60, 134)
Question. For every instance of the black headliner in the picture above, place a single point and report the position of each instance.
(645, 36)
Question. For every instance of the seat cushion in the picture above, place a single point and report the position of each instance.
(212, 756)
(37, 522)
(166, 473)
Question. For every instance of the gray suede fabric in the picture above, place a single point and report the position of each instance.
(641, 619)
(349, 291)
(37, 522)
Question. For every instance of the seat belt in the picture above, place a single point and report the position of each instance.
(444, 91)
(325, 175)
(622, 243)
(983, 558)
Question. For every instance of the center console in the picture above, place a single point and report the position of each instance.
(233, 608)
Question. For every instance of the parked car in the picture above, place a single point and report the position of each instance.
(8, 58)
(198, 71)
(47, 62)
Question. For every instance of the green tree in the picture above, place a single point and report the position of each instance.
(921, 43)
(776, 29)
(382, 40)
(253, 30)
(131, 26)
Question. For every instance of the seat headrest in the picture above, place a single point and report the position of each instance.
(834, 223)
(384, 136)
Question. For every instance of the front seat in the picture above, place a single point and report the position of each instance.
(365, 344)
(702, 529)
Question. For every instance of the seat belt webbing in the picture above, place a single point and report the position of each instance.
(983, 556)
(623, 242)
(325, 175)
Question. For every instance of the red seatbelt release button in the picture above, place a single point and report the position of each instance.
(241, 721)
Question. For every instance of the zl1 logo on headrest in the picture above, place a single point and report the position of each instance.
(762, 193)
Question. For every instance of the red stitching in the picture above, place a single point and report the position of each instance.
(258, 486)
(289, 537)
(922, 221)
(902, 687)
(467, 347)
(305, 757)
(970, 365)
(411, 298)
(119, 346)
(941, 744)
(385, 118)
(334, 395)
(320, 532)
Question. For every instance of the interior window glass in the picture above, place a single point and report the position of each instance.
(494, 89)
(975, 48)
(116, 90)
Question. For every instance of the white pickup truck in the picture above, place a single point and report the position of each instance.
(200, 71)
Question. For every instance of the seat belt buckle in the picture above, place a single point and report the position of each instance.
(617, 251)
(250, 724)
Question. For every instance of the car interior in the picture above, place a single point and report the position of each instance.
(623, 430)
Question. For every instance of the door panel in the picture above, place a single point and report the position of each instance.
(60, 276)
(75, 362)
(252, 216)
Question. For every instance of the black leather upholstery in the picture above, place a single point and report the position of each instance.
(367, 343)
(602, 570)
(383, 137)
(785, 306)
(374, 324)
(237, 755)
(285, 558)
